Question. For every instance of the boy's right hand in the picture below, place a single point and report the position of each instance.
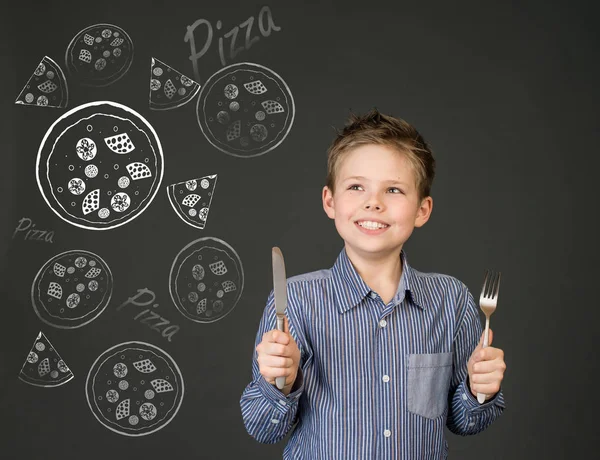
(279, 356)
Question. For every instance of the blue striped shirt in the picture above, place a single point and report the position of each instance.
(375, 381)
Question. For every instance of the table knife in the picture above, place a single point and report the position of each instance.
(280, 294)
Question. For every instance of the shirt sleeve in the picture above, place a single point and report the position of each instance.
(465, 415)
(267, 413)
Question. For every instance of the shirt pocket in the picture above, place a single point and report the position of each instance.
(428, 381)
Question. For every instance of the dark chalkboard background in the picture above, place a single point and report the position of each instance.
(506, 95)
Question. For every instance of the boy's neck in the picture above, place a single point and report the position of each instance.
(381, 273)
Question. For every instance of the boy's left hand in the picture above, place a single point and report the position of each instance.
(486, 368)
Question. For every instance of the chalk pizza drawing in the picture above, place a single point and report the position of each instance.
(245, 110)
(134, 388)
(99, 165)
(47, 86)
(206, 280)
(43, 366)
(169, 88)
(191, 199)
(99, 55)
(72, 289)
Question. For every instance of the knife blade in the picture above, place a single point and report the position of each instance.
(280, 294)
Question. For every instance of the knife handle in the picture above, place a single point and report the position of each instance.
(280, 381)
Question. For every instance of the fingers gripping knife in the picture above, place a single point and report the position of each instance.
(280, 294)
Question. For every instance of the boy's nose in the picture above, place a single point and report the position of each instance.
(373, 202)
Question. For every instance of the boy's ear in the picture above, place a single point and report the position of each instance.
(424, 211)
(328, 204)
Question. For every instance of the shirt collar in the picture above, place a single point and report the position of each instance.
(351, 289)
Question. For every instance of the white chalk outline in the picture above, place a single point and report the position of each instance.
(184, 101)
(63, 80)
(173, 199)
(140, 345)
(174, 296)
(47, 265)
(210, 83)
(123, 70)
(39, 336)
(82, 107)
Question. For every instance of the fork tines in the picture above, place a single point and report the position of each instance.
(491, 284)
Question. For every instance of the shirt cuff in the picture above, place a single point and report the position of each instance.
(470, 402)
(277, 399)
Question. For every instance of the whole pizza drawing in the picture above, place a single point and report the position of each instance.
(43, 366)
(99, 55)
(245, 110)
(99, 165)
(72, 289)
(206, 280)
(134, 388)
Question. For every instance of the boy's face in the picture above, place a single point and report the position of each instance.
(376, 203)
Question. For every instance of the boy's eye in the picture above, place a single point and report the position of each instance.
(355, 187)
(395, 190)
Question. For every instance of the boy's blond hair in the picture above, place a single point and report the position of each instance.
(377, 128)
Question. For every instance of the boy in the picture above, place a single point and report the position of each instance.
(377, 356)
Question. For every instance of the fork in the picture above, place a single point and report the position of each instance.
(487, 302)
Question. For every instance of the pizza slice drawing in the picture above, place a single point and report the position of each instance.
(47, 86)
(169, 88)
(191, 199)
(43, 366)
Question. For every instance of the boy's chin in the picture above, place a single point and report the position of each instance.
(372, 250)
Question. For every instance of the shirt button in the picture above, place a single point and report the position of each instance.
(373, 295)
(281, 401)
(464, 396)
(383, 323)
(387, 433)
(386, 378)
(275, 421)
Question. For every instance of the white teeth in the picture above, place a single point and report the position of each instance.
(371, 225)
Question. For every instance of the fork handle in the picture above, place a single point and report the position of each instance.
(481, 396)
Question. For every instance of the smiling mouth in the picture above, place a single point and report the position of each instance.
(370, 225)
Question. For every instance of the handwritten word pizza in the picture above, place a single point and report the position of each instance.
(43, 366)
(47, 86)
(99, 55)
(191, 199)
(72, 289)
(168, 87)
(134, 388)
(206, 280)
(245, 110)
(99, 165)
